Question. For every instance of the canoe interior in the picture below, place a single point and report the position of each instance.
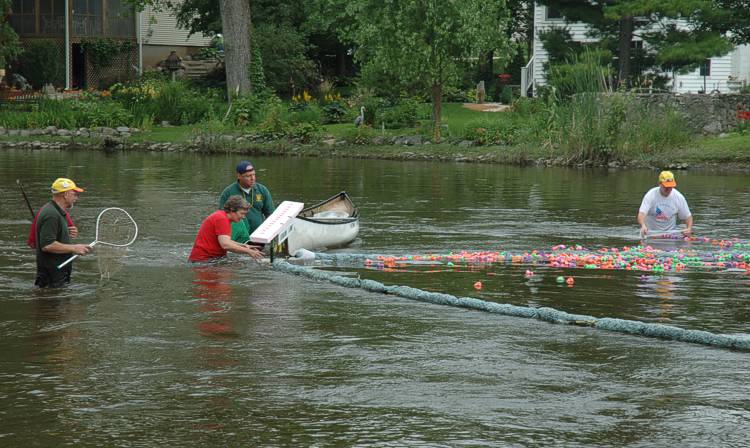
(340, 203)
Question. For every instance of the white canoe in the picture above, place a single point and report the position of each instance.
(331, 223)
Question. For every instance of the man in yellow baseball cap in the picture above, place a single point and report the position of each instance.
(666, 179)
(661, 206)
(53, 236)
(61, 185)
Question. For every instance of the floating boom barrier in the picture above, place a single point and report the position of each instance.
(577, 257)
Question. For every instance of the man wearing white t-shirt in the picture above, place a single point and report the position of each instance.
(662, 205)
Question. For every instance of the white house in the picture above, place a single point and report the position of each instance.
(160, 35)
(725, 73)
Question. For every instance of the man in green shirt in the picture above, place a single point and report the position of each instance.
(53, 245)
(256, 194)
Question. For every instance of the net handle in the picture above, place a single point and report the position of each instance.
(92, 244)
(96, 237)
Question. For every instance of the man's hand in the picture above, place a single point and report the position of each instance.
(73, 231)
(254, 252)
(687, 231)
(644, 231)
(81, 249)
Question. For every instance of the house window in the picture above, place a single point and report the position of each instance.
(23, 16)
(51, 17)
(120, 19)
(87, 17)
(553, 13)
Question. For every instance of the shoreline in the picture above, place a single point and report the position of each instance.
(455, 152)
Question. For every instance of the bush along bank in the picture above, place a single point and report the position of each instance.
(722, 152)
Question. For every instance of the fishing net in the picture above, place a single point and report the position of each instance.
(115, 231)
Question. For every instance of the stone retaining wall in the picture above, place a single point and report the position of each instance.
(706, 114)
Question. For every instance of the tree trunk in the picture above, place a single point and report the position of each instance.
(341, 61)
(486, 67)
(235, 23)
(437, 99)
(626, 35)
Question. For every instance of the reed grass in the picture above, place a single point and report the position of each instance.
(599, 124)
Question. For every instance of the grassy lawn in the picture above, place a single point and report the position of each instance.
(731, 148)
(454, 117)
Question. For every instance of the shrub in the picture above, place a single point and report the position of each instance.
(492, 132)
(273, 125)
(179, 104)
(402, 115)
(210, 133)
(304, 132)
(247, 110)
(101, 113)
(361, 135)
(164, 100)
(506, 95)
(309, 114)
(335, 112)
(525, 106)
(42, 63)
(455, 95)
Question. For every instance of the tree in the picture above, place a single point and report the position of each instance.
(423, 42)
(235, 24)
(10, 47)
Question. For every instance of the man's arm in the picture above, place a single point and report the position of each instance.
(642, 212)
(48, 230)
(688, 226)
(57, 247)
(227, 244)
(641, 218)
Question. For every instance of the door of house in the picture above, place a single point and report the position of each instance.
(79, 67)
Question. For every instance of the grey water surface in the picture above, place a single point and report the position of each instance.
(237, 354)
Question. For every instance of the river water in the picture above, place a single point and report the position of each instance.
(238, 354)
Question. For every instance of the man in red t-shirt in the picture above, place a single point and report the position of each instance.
(214, 236)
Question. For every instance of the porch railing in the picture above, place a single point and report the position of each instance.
(527, 77)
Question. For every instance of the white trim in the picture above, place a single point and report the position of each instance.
(140, 43)
(67, 45)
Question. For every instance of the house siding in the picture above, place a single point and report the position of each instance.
(160, 28)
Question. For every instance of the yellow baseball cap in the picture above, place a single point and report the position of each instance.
(61, 185)
(666, 179)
